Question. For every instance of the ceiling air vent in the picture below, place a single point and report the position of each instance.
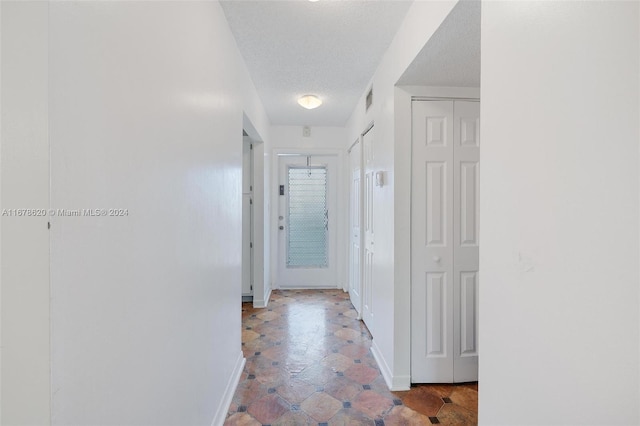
(369, 99)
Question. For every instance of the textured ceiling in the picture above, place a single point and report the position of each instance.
(327, 48)
(452, 55)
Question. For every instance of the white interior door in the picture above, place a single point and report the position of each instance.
(368, 228)
(444, 246)
(307, 222)
(466, 174)
(355, 221)
(247, 218)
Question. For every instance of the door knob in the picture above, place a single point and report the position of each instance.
(436, 259)
(281, 227)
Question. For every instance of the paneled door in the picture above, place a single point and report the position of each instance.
(307, 222)
(355, 222)
(368, 148)
(444, 245)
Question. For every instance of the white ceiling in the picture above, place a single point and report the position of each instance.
(452, 55)
(327, 48)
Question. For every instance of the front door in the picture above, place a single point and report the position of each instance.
(307, 221)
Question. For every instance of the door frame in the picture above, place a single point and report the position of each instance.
(398, 377)
(248, 169)
(261, 288)
(341, 221)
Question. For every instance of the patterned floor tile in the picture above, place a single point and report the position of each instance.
(309, 363)
(295, 391)
(372, 404)
(451, 414)
(402, 416)
(241, 419)
(268, 408)
(423, 401)
(321, 406)
(337, 362)
(465, 397)
(361, 374)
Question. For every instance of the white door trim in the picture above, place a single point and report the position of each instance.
(400, 374)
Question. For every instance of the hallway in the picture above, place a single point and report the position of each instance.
(308, 362)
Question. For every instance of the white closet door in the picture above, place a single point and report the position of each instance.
(444, 223)
(466, 143)
(431, 243)
(368, 228)
(355, 222)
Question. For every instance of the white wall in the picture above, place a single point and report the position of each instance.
(290, 137)
(146, 113)
(391, 285)
(24, 242)
(330, 140)
(559, 290)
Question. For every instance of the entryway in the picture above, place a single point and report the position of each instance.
(307, 221)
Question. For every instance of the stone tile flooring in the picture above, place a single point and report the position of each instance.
(309, 363)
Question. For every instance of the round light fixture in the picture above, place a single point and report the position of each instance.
(309, 101)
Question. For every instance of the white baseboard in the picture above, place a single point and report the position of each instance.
(232, 385)
(394, 383)
(382, 363)
(400, 383)
(264, 302)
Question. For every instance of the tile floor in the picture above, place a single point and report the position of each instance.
(309, 363)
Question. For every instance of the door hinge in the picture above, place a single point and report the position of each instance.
(251, 287)
(250, 146)
(250, 187)
(250, 245)
(48, 225)
(250, 200)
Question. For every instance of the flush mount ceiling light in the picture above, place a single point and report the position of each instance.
(309, 101)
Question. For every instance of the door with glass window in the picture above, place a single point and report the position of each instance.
(307, 221)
